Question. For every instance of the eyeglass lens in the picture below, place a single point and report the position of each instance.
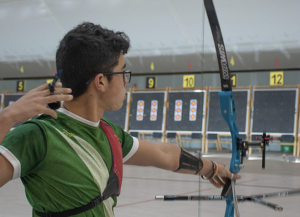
(127, 77)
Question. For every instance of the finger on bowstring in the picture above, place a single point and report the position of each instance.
(62, 90)
(46, 86)
(57, 91)
(55, 98)
(58, 84)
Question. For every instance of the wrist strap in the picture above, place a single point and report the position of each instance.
(189, 162)
(213, 174)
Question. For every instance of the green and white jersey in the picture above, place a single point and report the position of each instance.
(64, 163)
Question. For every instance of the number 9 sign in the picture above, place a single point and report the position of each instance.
(151, 82)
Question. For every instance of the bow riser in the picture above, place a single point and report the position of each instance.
(229, 114)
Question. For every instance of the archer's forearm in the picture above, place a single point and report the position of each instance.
(157, 154)
(170, 158)
(163, 155)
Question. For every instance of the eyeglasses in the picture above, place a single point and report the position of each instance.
(126, 76)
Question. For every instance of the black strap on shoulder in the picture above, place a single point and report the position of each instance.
(71, 212)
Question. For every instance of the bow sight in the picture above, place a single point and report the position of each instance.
(243, 146)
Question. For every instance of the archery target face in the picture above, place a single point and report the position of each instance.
(178, 110)
(153, 113)
(140, 110)
(193, 110)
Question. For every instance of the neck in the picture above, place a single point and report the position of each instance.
(85, 106)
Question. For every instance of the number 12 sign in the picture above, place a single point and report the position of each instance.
(276, 78)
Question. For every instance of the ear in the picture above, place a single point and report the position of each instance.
(100, 82)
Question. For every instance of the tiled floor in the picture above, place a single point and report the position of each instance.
(141, 185)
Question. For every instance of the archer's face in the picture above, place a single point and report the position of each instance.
(115, 93)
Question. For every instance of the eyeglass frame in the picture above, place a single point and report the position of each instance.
(112, 73)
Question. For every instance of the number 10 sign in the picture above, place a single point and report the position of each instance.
(188, 81)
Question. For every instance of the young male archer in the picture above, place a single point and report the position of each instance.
(64, 158)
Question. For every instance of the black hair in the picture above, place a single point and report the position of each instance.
(86, 51)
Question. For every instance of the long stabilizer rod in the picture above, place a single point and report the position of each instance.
(254, 198)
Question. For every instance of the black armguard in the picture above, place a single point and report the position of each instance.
(189, 162)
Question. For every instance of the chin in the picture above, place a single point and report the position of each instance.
(116, 108)
(119, 108)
